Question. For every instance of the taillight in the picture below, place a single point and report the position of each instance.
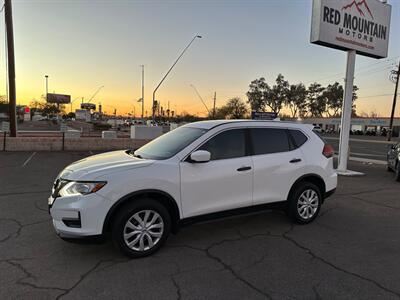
(328, 151)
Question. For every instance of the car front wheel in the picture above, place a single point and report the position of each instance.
(304, 203)
(141, 228)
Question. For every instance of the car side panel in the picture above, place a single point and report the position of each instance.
(274, 175)
(317, 163)
(163, 176)
(215, 186)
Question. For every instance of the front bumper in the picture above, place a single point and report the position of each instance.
(79, 216)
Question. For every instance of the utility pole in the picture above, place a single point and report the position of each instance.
(142, 90)
(394, 76)
(215, 100)
(47, 85)
(11, 68)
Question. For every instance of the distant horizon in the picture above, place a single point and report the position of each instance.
(83, 45)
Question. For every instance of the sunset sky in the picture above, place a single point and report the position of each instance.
(82, 45)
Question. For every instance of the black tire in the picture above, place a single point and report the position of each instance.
(293, 203)
(126, 213)
(397, 172)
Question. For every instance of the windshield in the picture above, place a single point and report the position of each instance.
(170, 143)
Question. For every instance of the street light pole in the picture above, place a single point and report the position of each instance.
(11, 67)
(170, 69)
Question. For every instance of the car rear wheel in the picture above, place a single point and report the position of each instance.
(141, 228)
(304, 203)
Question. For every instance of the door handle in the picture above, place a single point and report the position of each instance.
(295, 160)
(241, 169)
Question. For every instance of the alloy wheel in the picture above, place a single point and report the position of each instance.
(307, 204)
(143, 230)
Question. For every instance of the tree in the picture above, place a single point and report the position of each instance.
(278, 94)
(334, 99)
(220, 113)
(186, 117)
(3, 104)
(70, 115)
(236, 109)
(296, 97)
(35, 106)
(258, 90)
(316, 102)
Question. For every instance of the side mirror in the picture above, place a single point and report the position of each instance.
(200, 156)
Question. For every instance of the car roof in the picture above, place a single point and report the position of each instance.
(214, 123)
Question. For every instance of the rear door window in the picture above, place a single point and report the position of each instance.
(269, 140)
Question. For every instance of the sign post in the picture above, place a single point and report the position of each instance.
(346, 111)
(358, 27)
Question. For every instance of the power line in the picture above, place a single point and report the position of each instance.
(374, 96)
(371, 72)
(336, 76)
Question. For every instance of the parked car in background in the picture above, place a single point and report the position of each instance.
(370, 132)
(198, 171)
(318, 129)
(393, 160)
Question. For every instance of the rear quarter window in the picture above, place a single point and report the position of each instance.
(298, 137)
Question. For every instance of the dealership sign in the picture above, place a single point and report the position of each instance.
(58, 98)
(361, 25)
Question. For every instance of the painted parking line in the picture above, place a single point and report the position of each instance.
(28, 160)
(366, 154)
(366, 160)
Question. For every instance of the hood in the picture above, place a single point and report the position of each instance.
(102, 164)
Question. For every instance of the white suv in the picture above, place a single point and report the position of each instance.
(200, 170)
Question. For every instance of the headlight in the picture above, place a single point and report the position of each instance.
(76, 188)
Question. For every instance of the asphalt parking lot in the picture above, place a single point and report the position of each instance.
(351, 251)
